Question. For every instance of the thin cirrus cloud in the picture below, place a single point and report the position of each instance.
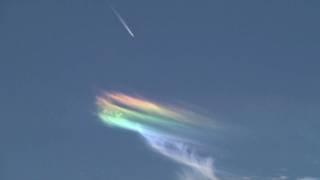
(308, 178)
(167, 130)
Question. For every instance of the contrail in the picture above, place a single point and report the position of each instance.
(123, 22)
(167, 130)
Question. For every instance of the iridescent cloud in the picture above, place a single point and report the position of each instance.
(168, 130)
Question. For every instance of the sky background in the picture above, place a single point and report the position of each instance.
(252, 65)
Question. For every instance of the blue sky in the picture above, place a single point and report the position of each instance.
(253, 65)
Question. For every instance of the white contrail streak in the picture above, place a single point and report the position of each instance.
(123, 22)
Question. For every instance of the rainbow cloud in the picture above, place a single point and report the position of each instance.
(168, 130)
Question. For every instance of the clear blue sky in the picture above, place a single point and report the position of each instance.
(254, 65)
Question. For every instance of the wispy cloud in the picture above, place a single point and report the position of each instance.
(308, 178)
(195, 166)
(164, 130)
